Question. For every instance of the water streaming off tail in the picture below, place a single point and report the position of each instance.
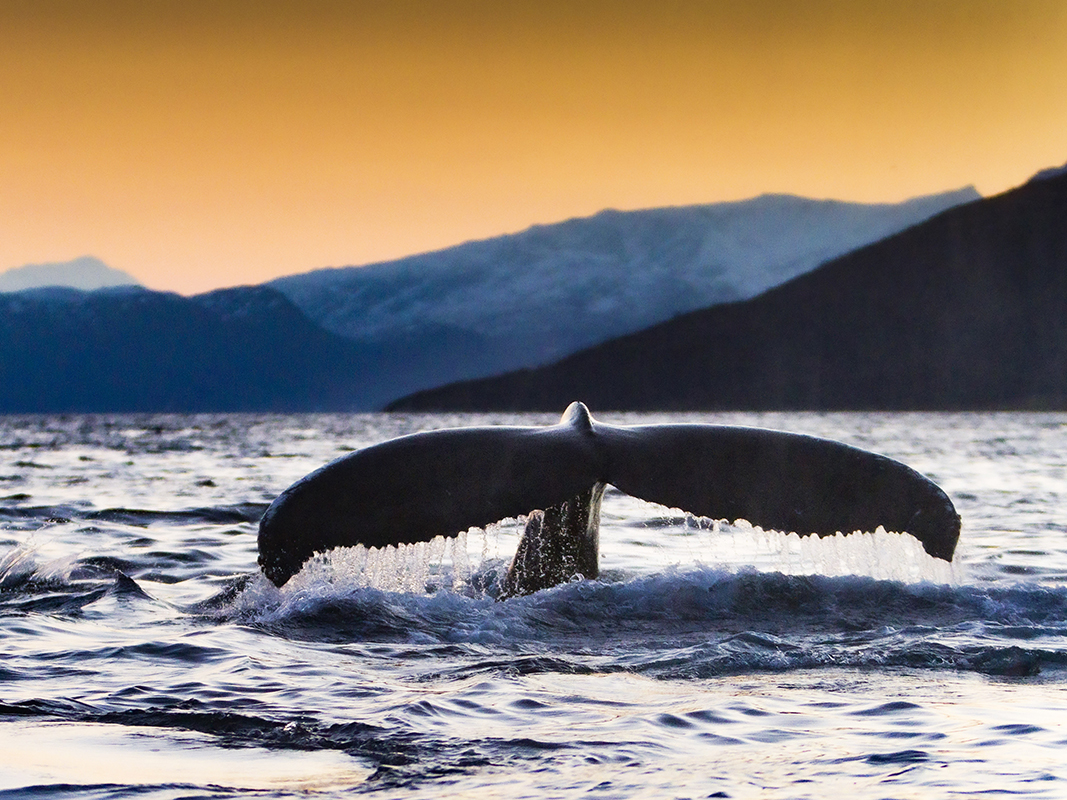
(877, 554)
(474, 560)
(424, 567)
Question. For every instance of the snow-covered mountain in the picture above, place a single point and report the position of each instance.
(86, 273)
(535, 296)
(964, 311)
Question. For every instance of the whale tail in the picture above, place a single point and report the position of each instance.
(442, 483)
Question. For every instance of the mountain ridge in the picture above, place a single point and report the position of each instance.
(135, 350)
(253, 349)
(86, 273)
(553, 288)
(530, 298)
(965, 310)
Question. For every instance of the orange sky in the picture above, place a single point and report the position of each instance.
(198, 144)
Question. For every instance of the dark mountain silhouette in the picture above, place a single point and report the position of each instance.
(965, 311)
(130, 349)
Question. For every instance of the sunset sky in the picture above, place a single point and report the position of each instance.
(206, 144)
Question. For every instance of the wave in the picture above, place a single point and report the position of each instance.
(683, 623)
(209, 515)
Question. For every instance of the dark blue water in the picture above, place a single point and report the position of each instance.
(143, 656)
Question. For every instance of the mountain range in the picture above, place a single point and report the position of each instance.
(355, 339)
(530, 298)
(967, 310)
(86, 273)
(131, 349)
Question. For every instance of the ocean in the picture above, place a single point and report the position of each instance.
(143, 655)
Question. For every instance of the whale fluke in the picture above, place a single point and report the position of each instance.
(441, 483)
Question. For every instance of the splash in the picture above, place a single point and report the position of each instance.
(422, 568)
(474, 560)
(677, 540)
(880, 554)
(17, 566)
(23, 564)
